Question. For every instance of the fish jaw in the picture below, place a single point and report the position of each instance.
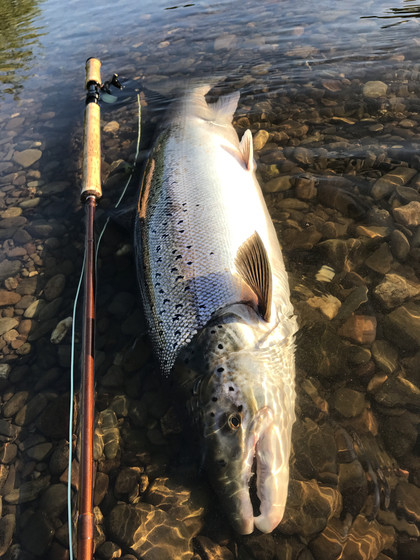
(264, 443)
(272, 478)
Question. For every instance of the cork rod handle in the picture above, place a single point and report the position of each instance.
(91, 167)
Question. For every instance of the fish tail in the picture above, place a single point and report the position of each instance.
(221, 112)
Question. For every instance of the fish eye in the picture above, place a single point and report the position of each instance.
(234, 421)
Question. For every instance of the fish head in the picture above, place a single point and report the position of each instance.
(244, 411)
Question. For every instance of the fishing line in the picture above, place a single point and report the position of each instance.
(73, 333)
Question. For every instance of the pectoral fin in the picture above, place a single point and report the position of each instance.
(253, 266)
(247, 150)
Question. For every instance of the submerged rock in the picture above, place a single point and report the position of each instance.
(309, 507)
(402, 326)
(149, 532)
(394, 290)
(374, 89)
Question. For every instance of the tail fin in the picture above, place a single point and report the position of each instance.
(221, 112)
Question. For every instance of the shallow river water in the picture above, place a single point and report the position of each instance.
(331, 93)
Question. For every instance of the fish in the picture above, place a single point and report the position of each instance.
(217, 302)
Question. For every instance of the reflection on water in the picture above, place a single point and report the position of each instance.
(332, 101)
(19, 35)
(410, 10)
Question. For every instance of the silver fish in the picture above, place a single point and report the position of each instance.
(217, 302)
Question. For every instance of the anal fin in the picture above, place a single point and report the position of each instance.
(253, 266)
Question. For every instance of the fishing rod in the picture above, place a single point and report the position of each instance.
(91, 193)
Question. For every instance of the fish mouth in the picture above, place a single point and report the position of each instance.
(268, 449)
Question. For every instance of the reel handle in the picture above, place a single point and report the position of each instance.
(91, 167)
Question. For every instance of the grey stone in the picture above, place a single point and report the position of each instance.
(28, 491)
(385, 356)
(309, 508)
(54, 287)
(7, 429)
(9, 268)
(53, 420)
(50, 310)
(408, 215)
(150, 533)
(53, 501)
(400, 247)
(389, 182)
(402, 326)
(278, 184)
(7, 528)
(8, 452)
(34, 309)
(31, 410)
(39, 452)
(374, 89)
(380, 260)
(7, 324)
(349, 403)
(15, 403)
(407, 499)
(26, 158)
(394, 290)
(398, 392)
(399, 433)
(366, 539)
(37, 534)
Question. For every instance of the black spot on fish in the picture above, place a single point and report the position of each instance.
(178, 306)
(180, 222)
(189, 263)
(174, 251)
(157, 284)
(179, 278)
(189, 246)
(174, 269)
(177, 333)
(161, 291)
(181, 230)
(231, 388)
(240, 407)
(158, 249)
(214, 399)
(222, 463)
(220, 346)
(158, 274)
(165, 301)
(178, 257)
(213, 332)
(212, 414)
(220, 369)
(186, 289)
(211, 253)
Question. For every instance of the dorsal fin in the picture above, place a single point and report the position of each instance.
(252, 264)
(247, 150)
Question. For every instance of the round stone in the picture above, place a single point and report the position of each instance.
(374, 89)
(349, 403)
